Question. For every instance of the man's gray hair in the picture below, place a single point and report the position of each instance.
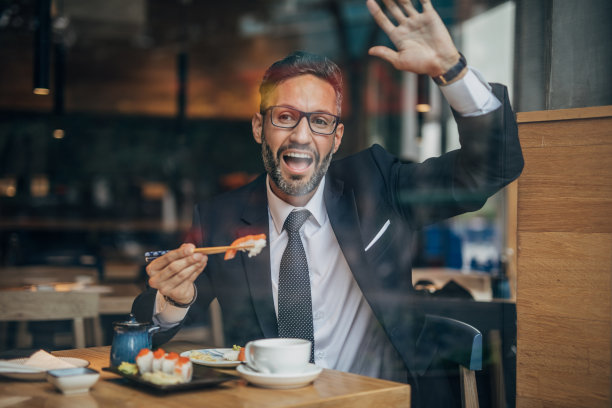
(301, 63)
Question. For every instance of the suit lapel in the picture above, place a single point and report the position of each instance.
(257, 269)
(342, 211)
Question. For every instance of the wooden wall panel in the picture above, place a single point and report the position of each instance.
(567, 177)
(564, 235)
(572, 269)
(576, 132)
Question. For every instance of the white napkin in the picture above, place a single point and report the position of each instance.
(42, 359)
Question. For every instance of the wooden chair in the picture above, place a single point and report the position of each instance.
(454, 341)
(26, 306)
(13, 276)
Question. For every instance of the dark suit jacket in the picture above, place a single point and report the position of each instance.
(362, 192)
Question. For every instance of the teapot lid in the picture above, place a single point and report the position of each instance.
(131, 322)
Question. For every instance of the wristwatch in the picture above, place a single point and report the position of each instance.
(452, 73)
(183, 305)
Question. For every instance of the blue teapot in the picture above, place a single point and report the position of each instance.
(130, 337)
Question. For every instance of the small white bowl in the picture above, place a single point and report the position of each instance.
(73, 380)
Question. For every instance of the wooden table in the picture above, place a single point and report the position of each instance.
(331, 389)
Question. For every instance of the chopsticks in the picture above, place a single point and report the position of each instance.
(149, 256)
(222, 249)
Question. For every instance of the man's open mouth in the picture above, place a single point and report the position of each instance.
(297, 161)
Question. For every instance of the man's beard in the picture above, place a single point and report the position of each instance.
(296, 185)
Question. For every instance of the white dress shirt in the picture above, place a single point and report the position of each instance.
(347, 335)
(344, 325)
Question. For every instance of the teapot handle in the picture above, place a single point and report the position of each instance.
(153, 329)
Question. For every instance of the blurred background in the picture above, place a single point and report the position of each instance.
(117, 116)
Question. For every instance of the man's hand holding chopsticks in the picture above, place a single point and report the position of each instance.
(173, 273)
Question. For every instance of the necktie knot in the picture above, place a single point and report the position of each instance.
(295, 219)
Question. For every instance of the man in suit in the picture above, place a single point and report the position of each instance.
(363, 210)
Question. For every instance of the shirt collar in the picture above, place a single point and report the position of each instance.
(279, 209)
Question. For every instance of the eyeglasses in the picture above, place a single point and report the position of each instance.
(288, 118)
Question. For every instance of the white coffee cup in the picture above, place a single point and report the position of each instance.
(278, 356)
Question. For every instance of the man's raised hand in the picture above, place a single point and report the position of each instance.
(423, 43)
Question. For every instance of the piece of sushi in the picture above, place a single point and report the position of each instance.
(169, 362)
(144, 360)
(251, 243)
(158, 357)
(184, 369)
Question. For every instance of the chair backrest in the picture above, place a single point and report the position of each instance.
(454, 341)
(45, 274)
(21, 305)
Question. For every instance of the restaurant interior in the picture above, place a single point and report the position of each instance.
(117, 117)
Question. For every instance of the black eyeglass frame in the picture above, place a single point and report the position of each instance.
(302, 115)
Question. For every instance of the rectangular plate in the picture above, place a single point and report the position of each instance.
(202, 377)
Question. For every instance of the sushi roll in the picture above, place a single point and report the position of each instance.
(184, 369)
(158, 357)
(169, 362)
(144, 360)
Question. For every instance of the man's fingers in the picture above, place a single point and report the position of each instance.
(173, 263)
(380, 17)
(179, 281)
(185, 280)
(180, 289)
(395, 11)
(179, 269)
(385, 53)
(157, 265)
(427, 5)
(408, 7)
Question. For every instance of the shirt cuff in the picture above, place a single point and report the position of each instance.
(166, 315)
(471, 95)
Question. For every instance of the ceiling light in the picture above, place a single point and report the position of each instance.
(42, 44)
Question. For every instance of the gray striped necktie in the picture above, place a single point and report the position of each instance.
(294, 297)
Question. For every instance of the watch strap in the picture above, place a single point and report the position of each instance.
(452, 73)
(183, 305)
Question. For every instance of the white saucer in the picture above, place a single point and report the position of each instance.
(280, 381)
